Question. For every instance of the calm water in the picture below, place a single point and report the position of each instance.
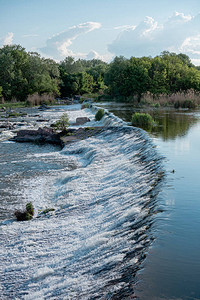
(172, 267)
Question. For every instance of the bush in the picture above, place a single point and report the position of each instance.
(99, 115)
(63, 123)
(30, 208)
(26, 214)
(191, 104)
(142, 120)
(157, 105)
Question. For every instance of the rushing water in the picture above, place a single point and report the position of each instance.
(172, 268)
(105, 194)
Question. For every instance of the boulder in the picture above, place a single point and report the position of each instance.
(42, 135)
(82, 120)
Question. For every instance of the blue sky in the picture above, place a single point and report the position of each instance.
(102, 29)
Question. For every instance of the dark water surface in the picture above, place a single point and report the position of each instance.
(172, 267)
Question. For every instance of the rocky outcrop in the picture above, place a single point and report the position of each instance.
(42, 135)
(47, 135)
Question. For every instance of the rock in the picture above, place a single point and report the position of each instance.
(42, 135)
(43, 107)
(82, 120)
(42, 120)
(6, 125)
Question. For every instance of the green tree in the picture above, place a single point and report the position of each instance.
(23, 74)
(116, 76)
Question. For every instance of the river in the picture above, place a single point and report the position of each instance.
(172, 267)
(113, 208)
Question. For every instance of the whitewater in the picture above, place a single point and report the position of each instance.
(104, 190)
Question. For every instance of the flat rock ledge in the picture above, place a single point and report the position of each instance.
(48, 135)
(42, 135)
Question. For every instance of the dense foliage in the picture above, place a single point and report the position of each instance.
(165, 74)
(23, 74)
(81, 76)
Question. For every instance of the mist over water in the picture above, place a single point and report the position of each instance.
(104, 190)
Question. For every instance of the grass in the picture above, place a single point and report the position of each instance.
(46, 211)
(13, 105)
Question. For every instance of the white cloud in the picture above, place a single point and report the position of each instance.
(196, 61)
(95, 55)
(58, 45)
(8, 39)
(151, 26)
(180, 33)
(125, 27)
(191, 45)
(29, 35)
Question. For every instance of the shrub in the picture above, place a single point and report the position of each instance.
(99, 115)
(157, 105)
(26, 214)
(191, 104)
(37, 99)
(63, 123)
(142, 120)
(30, 208)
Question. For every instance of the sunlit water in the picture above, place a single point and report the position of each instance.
(172, 268)
(105, 194)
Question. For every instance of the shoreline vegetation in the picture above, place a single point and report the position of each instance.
(27, 79)
(167, 80)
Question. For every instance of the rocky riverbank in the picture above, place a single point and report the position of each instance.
(48, 135)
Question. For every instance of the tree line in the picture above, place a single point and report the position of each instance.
(25, 73)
